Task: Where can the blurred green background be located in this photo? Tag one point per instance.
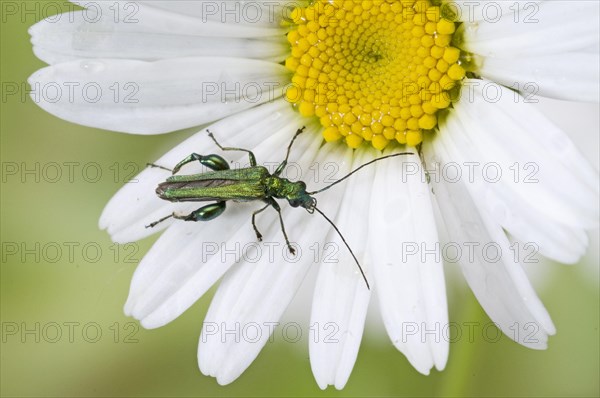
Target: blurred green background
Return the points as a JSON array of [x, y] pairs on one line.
[[61, 274]]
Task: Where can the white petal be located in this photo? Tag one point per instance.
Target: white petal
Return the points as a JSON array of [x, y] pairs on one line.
[[254, 294], [550, 27], [341, 297], [572, 76], [407, 263], [198, 17], [155, 97], [522, 219], [184, 263], [73, 36], [510, 134], [256, 13], [132, 208], [497, 280]]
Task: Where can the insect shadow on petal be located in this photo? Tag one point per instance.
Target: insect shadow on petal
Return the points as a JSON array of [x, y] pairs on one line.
[[247, 184]]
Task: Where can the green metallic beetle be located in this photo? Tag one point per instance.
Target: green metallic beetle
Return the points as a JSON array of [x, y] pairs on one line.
[[243, 185]]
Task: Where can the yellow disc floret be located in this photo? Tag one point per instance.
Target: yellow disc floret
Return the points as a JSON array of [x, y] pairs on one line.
[[372, 70]]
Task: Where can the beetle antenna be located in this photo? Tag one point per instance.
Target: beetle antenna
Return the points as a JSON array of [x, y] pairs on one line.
[[358, 168], [346, 243]]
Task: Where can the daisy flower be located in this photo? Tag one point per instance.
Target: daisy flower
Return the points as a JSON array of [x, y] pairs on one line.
[[449, 82]]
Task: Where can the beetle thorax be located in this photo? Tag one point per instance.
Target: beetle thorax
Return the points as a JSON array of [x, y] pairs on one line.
[[282, 188], [294, 192]]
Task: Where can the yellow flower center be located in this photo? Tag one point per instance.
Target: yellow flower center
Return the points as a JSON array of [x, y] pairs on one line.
[[372, 70]]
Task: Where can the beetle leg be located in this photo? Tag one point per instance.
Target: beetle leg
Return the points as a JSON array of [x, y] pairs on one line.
[[213, 162], [275, 205], [155, 223], [284, 163], [250, 154], [205, 213], [258, 234], [157, 166]]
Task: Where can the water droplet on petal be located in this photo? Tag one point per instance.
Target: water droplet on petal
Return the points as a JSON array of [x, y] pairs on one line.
[[93, 66]]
